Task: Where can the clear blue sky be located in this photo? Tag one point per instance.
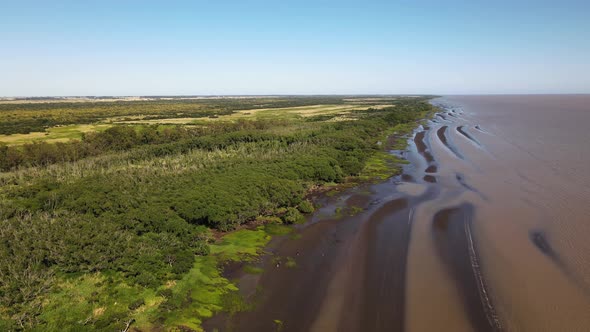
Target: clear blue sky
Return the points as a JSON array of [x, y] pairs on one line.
[[293, 47]]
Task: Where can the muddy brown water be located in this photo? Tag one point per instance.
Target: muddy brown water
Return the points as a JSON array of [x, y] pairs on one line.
[[488, 229]]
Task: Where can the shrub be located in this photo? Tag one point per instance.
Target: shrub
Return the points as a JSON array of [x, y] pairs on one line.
[[136, 304], [306, 207], [268, 220], [293, 216]]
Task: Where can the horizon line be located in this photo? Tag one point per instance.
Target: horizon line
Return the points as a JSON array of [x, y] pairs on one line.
[[286, 95]]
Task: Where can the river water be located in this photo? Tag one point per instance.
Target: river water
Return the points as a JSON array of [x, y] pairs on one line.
[[488, 229]]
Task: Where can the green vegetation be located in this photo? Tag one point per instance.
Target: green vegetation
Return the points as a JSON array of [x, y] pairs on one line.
[[355, 210], [306, 207], [274, 229], [123, 225], [381, 165], [290, 262], [250, 269], [278, 324], [24, 118], [54, 134]]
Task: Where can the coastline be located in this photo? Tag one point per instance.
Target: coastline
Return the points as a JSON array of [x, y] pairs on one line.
[[198, 287], [337, 205]]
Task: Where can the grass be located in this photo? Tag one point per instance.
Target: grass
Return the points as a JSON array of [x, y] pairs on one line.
[[203, 291], [198, 295], [241, 244], [22, 117], [117, 163], [277, 229], [251, 269], [331, 189], [63, 133], [94, 299], [297, 112], [400, 131], [278, 325], [354, 210], [339, 111], [290, 262], [342, 211], [382, 165], [159, 121], [53, 135]]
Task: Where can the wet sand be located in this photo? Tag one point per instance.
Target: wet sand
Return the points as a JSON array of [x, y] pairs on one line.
[[486, 230]]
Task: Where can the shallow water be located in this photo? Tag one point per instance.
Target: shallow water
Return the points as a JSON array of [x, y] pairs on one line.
[[487, 230]]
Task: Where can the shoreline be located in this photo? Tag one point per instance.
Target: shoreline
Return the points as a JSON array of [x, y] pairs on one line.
[[197, 190], [353, 194], [355, 271]]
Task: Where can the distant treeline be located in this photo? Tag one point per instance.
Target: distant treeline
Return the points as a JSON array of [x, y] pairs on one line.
[[24, 118], [125, 137]]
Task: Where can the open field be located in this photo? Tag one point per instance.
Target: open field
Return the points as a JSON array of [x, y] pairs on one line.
[[53, 134], [342, 111], [100, 118], [24, 117], [106, 224]]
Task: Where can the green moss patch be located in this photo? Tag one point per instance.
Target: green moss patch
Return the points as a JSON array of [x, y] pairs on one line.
[[382, 165]]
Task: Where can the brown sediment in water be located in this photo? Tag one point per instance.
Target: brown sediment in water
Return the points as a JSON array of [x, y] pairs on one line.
[[461, 179], [298, 290], [422, 147], [383, 295], [429, 178], [539, 239], [318, 254], [530, 230], [407, 178], [419, 141], [464, 132], [442, 136], [431, 169], [358, 200], [454, 244], [479, 247]]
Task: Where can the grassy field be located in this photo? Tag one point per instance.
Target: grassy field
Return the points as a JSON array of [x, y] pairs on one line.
[[301, 111], [111, 222], [53, 134], [26, 117], [74, 118], [341, 112]]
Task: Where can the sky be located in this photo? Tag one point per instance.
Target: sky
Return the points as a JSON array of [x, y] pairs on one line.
[[130, 48]]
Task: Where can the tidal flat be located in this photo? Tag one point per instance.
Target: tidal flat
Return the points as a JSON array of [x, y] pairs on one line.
[[484, 229]]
